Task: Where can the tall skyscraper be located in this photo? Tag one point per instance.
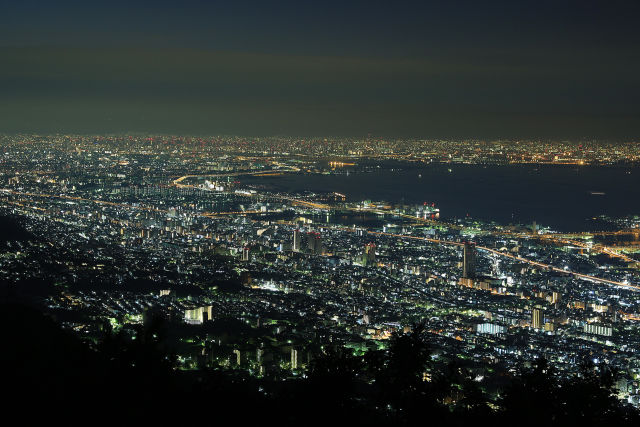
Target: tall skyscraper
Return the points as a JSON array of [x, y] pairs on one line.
[[296, 241], [469, 261], [245, 254], [314, 243], [294, 358], [369, 257], [537, 318]]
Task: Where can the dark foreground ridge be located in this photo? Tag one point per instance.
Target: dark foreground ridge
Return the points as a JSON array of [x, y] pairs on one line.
[[123, 380]]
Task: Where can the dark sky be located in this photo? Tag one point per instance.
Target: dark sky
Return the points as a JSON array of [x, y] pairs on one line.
[[502, 69]]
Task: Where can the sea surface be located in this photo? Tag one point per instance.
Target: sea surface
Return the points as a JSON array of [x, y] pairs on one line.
[[565, 198]]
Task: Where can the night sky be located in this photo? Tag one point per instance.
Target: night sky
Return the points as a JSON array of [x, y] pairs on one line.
[[458, 69]]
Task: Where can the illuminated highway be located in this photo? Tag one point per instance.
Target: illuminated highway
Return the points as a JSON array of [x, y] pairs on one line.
[[119, 205], [178, 182], [547, 237], [518, 258], [314, 205]]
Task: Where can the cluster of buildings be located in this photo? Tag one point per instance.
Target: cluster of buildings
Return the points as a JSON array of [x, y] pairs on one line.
[[260, 281]]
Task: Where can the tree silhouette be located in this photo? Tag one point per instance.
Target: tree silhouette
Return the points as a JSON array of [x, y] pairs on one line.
[[537, 396], [135, 379]]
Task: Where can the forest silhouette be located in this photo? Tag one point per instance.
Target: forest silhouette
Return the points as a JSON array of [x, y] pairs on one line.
[[125, 379]]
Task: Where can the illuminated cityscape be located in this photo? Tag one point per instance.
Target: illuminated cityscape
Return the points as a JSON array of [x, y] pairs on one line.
[[122, 227], [171, 261]]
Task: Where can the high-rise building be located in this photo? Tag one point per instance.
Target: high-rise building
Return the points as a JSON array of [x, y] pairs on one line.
[[197, 316], [537, 318], [245, 254], [469, 261], [294, 358], [490, 328], [296, 240], [598, 329], [314, 243], [369, 257]]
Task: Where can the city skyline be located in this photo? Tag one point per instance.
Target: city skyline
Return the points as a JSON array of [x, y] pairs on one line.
[[339, 212]]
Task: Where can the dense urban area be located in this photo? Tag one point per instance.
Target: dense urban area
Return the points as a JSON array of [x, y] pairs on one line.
[[104, 233]]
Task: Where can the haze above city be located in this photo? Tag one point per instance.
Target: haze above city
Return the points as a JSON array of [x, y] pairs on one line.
[[420, 69]]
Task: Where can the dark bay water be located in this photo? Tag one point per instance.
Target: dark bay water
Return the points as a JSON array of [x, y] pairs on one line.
[[563, 197]]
